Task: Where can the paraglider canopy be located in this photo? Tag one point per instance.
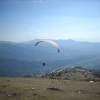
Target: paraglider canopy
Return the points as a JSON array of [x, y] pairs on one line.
[[50, 41]]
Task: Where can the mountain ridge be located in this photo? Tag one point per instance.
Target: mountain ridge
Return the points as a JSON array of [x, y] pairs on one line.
[[72, 53]]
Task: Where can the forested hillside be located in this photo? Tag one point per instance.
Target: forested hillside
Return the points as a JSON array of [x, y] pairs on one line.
[[26, 58]]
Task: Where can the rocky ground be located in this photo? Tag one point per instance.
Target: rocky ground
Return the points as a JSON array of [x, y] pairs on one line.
[[68, 85]]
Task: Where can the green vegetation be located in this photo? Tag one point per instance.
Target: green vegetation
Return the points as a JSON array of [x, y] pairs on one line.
[[18, 59]]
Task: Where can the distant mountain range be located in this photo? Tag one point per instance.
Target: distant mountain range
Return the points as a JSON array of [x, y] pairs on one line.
[[18, 59]]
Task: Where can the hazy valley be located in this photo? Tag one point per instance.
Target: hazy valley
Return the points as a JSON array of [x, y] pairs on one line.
[[19, 59]]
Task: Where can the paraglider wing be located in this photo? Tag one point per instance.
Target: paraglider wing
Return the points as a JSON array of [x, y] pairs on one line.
[[50, 41]]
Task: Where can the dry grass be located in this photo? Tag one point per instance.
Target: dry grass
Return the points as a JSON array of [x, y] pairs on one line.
[[21, 89]]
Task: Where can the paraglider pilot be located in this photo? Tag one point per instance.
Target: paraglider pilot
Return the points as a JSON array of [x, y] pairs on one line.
[[43, 64]]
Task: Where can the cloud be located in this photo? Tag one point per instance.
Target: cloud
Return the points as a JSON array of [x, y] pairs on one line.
[[41, 33], [93, 34], [30, 33], [30, 28], [45, 34], [68, 35], [1, 31], [37, 0]]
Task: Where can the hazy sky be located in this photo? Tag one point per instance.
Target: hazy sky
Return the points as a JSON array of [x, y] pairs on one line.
[[23, 20]]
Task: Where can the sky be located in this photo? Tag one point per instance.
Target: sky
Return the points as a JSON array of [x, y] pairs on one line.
[[24, 20]]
